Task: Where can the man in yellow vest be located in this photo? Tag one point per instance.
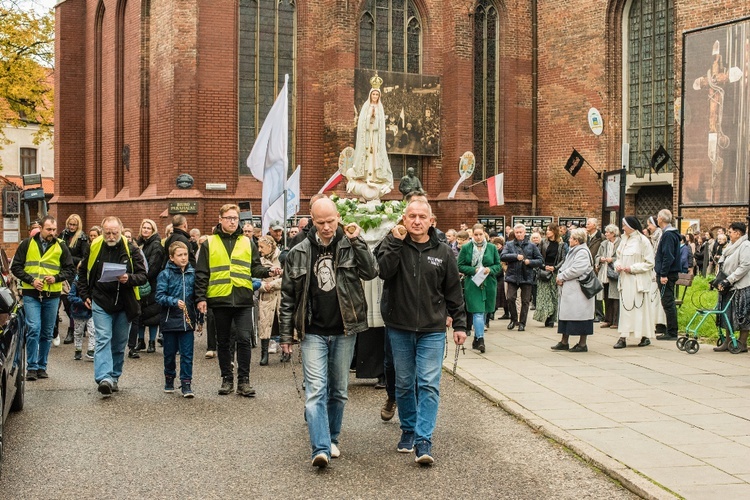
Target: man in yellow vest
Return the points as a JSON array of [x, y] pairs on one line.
[[108, 279], [42, 264], [227, 262]]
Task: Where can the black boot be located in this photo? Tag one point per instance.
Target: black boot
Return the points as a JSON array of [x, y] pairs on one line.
[[69, 336], [480, 344], [475, 343], [141, 345], [151, 346], [264, 352]]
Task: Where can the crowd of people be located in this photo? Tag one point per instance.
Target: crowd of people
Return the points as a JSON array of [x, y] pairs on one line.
[[307, 289]]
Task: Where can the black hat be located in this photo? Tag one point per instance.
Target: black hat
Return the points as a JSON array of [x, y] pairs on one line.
[[632, 223]]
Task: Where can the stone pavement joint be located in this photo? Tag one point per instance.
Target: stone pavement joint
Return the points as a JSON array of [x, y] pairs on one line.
[[662, 422]]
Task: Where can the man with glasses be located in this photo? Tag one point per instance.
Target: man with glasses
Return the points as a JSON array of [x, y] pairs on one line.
[[227, 262], [42, 264], [108, 280]]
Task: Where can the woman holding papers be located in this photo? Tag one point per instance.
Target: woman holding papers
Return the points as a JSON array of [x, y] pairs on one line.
[[479, 261]]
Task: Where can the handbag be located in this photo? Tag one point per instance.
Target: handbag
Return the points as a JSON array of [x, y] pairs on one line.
[[544, 275], [590, 285], [611, 273], [720, 276]]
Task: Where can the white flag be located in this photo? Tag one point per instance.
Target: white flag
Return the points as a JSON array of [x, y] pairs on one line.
[[292, 193], [269, 160]]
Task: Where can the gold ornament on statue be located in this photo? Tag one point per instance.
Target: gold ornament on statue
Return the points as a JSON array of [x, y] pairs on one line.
[[376, 82]]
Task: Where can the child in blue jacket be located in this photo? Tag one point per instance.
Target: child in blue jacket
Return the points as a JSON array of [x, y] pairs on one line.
[[82, 320], [179, 317]]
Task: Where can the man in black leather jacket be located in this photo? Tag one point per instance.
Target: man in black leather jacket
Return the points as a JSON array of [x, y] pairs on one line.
[[323, 299], [522, 258]]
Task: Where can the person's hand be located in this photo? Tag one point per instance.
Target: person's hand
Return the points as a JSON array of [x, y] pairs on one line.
[[618, 268], [38, 284], [663, 280], [459, 337], [399, 232], [486, 270], [352, 230], [286, 348], [448, 322], [181, 304], [50, 280], [527, 262], [602, 259], [275, 271], [724, 285], [87, 303], [123, 279], [519, 257], [549, 268], [202, 308], [559, 282]]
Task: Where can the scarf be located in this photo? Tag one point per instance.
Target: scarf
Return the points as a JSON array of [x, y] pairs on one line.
[[477, 254], [730, 248]]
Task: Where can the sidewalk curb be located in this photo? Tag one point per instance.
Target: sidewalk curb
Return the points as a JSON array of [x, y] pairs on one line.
[[629, 478]]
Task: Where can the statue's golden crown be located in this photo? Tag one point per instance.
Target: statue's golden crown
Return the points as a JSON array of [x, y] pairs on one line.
[[376, 82]]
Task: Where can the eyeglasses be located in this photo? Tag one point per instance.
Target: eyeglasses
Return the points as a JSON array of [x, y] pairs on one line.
[[231, 219]]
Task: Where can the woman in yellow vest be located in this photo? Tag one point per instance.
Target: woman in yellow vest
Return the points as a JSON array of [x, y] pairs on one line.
[[42, 263]]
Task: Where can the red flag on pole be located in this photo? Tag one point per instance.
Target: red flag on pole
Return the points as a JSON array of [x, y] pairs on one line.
[[331, 183], [495, 188]]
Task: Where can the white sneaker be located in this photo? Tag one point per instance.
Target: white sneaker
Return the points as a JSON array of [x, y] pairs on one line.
[[320, 460], [56, 341], [335, 453], [210, 354], [272, 347]]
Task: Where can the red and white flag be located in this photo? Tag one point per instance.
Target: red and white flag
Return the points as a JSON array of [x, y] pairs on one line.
[[331, 183], [495, 188]]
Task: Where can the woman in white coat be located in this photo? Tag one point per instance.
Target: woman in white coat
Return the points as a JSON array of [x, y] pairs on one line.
[[635, 263], [575, 311]]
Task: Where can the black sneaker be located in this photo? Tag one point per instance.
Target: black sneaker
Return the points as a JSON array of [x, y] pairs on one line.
[[31, 375], [187, 392], [151, 347], [141, 345], [406, 444], [620, 343], [133, 354], [227, 386], [423, 452], [78, 355], [69, 338], [105, 388], [169, 385], [41, 374], [245, 389]]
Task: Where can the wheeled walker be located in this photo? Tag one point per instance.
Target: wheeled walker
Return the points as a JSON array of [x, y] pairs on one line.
[[689, 342]]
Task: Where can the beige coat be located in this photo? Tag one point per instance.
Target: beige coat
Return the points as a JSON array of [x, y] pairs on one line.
[[270, 300]]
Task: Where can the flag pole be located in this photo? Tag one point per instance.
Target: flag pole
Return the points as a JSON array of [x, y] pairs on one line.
[[284, 225]]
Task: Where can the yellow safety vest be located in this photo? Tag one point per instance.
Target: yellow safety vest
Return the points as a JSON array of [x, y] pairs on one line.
[[96, 246], [226, 273], [39, 265]]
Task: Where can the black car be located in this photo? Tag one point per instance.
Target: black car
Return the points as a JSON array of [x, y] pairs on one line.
[[12, 348]]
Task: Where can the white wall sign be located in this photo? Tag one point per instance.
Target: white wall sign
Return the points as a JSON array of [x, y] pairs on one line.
[[10, 223], [10, 236], [595, 121]]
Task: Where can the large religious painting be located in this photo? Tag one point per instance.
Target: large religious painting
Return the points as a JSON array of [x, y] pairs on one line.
[[716, 115], [411, 103]]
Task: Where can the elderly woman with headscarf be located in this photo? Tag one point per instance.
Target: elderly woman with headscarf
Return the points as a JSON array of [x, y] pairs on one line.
[[635, 263], [604, 265], [575, 310], [735, 263]]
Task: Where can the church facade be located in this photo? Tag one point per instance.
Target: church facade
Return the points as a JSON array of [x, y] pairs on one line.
[[147, 91]]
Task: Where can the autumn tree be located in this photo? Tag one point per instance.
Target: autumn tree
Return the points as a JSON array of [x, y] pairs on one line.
[[26, 65]]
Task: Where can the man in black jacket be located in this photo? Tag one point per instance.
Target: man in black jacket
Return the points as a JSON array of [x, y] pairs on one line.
[[322, 297], [421, 290], [42, 263], [227, 262], [108, 276], [522, 258], [179, 233], [667, 269]]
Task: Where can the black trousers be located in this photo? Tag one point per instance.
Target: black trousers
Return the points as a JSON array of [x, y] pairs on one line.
[[525, 299], [668, 303], [242, 319]]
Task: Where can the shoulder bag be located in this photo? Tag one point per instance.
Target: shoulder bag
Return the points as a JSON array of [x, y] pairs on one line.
[[590, 284], [611, 273]]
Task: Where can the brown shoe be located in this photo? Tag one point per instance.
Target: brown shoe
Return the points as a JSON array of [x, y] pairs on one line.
[[613, 327], [388, 410], [605, 325]]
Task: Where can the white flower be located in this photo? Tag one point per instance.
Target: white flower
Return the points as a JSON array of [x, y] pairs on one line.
[[388, 210], [395, 204]]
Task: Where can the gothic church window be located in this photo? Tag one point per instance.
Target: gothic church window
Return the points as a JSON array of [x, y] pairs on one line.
[[486, 88], [267, 52]]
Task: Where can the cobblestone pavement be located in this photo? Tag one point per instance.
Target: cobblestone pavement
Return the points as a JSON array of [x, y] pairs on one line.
[[143, 443]]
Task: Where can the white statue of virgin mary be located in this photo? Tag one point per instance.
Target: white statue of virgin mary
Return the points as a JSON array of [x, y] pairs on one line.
[[370, 177]]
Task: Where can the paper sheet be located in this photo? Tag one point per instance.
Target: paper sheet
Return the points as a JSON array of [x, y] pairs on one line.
[[112, 271], [480, 276]]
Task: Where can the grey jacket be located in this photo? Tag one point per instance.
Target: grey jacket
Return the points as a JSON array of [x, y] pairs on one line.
[[736, 263], [353, 262]]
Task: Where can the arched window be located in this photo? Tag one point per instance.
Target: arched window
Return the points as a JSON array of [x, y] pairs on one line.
[[390, 36], [648, 90], [486, 88], [267, 51]]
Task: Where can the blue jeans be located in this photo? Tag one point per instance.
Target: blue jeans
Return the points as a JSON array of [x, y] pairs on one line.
[[151, 332], [478, 320], [111, 339], [183, 341], [418, 358], [390, 372], [41, 318], [325, 364]]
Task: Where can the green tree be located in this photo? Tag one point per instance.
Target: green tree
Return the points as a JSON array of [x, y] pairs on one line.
[[26, 66]]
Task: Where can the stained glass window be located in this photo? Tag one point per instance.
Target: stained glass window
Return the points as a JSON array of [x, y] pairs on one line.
[[267, 52], [486, 81], [650, 79], [390, 36]]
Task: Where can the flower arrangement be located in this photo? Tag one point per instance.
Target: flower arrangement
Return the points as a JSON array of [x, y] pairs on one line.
[[368, 215]]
